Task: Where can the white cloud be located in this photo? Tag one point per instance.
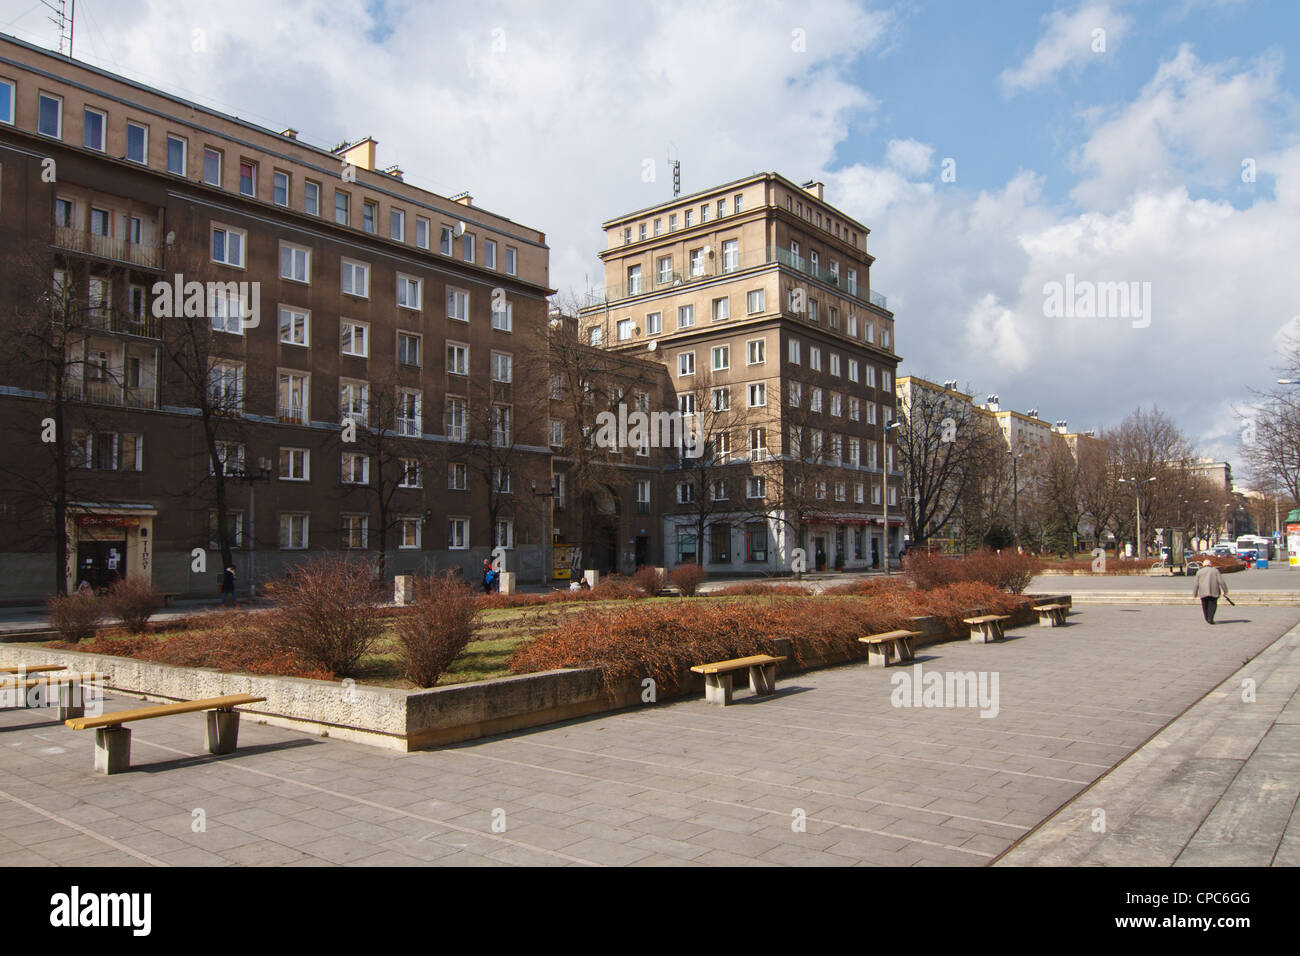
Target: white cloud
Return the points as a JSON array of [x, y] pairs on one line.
[[1068, 41], [908, 156]]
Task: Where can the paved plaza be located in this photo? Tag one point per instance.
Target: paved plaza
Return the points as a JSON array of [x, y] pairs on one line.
[[826, 772]]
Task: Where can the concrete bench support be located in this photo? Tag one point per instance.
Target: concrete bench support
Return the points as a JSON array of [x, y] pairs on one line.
[[112, 749], [72, 700], [1051, 615], [717, 689]]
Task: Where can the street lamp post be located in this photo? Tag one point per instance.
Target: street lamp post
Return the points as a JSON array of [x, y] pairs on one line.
[[542, 497], [1137, 499], [884, 494], [1015, 499], [263, 473]]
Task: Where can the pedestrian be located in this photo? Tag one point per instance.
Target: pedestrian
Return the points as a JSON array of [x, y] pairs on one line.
[[488, 576], [1208, 587], [228, 586]]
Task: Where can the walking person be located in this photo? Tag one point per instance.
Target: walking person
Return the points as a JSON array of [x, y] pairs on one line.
[[228, 586], [489, 576], [1209, 586]]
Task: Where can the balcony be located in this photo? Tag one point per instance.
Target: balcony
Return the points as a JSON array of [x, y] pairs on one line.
[[408, 427], [291, 414], [100, 392], [145, 326], [108, 247]]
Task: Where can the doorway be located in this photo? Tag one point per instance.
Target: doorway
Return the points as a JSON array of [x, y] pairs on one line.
[[642, 550], [100, 563]]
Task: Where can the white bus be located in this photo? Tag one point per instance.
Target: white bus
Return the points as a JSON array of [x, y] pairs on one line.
[[1262, 546]]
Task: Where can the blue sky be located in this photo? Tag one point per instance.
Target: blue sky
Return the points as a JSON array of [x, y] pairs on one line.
[[1122, 165]]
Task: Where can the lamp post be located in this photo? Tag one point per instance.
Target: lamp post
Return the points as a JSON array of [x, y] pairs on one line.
[[542, 497], [885, 486], [1137, 499], [1015, 499], [263, 473]]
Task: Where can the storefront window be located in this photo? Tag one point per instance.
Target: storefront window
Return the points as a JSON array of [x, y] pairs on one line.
[[686, 546], [756, 541]]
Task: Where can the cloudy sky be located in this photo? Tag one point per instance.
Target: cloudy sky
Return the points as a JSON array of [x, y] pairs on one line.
[[992, 149]]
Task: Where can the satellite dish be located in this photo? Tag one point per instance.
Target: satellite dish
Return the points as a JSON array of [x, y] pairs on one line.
[[171, 239], [708, 251], [652, 346], [459, 230]]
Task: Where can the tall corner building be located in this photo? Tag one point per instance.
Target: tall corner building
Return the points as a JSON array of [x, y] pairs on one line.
[[756, 295], [377, 300]]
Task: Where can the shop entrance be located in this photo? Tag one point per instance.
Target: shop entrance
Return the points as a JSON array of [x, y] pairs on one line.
[[100, 563]]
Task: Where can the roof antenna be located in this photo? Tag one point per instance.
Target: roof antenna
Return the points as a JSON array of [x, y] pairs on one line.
[[676, 164], [65, 21]]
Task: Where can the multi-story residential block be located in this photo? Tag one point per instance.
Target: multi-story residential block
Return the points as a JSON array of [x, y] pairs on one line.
[[353, 369], [756, 296]]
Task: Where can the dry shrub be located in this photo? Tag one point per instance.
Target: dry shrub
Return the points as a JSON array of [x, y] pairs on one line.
[[687, 578], [132, 601], [327, 613], [437, 629], [1008, 571], [75, 616], [663, 640], [650, 580], [871, 586], [762, 589]]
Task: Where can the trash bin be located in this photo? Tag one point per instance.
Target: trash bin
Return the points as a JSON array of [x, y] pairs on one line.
[[1261, 562]]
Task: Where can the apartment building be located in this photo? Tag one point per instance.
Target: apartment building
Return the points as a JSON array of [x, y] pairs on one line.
[[333, 293], [756, 297]]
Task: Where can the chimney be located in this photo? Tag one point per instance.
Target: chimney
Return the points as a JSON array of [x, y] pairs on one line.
[[465, 199], [816, 188], [360, 154], [289, 133], [395, 172]]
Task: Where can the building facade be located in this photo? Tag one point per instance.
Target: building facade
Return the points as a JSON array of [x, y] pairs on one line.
[[246, 324]]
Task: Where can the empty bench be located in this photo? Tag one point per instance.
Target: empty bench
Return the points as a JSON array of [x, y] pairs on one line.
[[113, 741], [1052, 615], [717, 676], [71, 688], [895, 644], [986, 628], [7, 673]]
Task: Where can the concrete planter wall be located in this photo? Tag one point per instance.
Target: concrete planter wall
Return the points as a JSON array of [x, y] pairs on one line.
[[405, 719]]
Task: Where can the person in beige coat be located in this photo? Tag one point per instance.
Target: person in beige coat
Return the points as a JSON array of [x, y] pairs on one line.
[[1208, 587]]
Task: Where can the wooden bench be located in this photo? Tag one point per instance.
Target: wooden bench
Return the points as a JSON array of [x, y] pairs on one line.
[[896, 644], [1052, 615], [717, 676], [6, 673], [113, 741], [986, 628], [71, 688]]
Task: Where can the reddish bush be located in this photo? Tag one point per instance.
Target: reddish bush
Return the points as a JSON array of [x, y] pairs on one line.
[[132, 601], [437, 629], [1008, 571], [650, 580], [869, 586], [687, 578], [773, 589], [327, 613], [75, 616]]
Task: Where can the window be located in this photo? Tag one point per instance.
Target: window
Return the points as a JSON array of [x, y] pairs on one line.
[[812, 310], [642, 235], [757, 444], [458, 304], [501, 416], [721, 447], [295, 263], [718, 492], [457, 476], [853, 370], [503, 315], [228, 246], [295, 326], [505, 534], [654, 323], [659, 226], [248, 178], [409, 418], [739, 203], [754, 487], [397, 225], [412, 477], [815, 358], [280, 188], [311, 198], [234, 530], [356, 469], [457, 359], [595, 335], [502, 367], [467, 247], [664, 270], [291, 398], [643, 496], [627, 236], [672, 222], [444, 240], [853, 325], [685, 492], [722, 208], [354, 338], [342, 206], [501, 480], [408, 349], [853, 278], [623, 329], [704, 213], [884, 339], [875, 493], [294, 464], [226, 387], [855, 452], [721, 309], [686, 363], [227, 311], [730, 254], [490, 253], [137, 142], [409, 531], [230, 456], [721, 358], [756, 541], [869, 333], [690, 218], [796, 394], [422, 232], [697, 262], [410, 292], [793, 352], [886, 380], [99, 222], [293, 532], [557, 434], [356, 279], [815, 400], [686, 404], [855, 409], [511, 256], [756, 301], [685, 316], [354, 402], [176, 149], [835, 364], [871, 376], [211, 167], [369, 215], [49, 119], [757, 395], [458, 534], [633, 280], [756, 351], [722, 399], [8, 91]]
